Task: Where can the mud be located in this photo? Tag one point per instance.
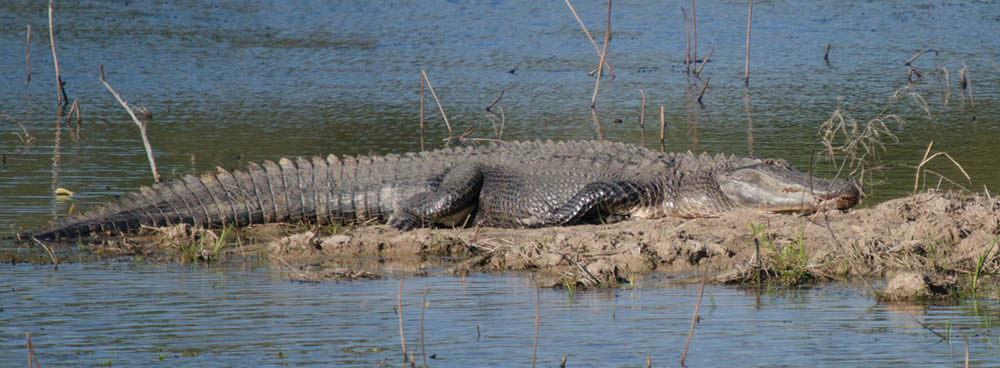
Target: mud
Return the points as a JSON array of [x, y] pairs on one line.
[[940, 239]]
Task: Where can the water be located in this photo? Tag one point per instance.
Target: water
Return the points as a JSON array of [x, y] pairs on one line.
[[229, 83], [129, 314], [232, 82]]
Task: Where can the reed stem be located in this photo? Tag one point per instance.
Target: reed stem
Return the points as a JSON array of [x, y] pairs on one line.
[[642, 118], [60, 91], [423, 306], [662, 126], [694, 35], [694, 318], [142, 126], [597, 49], [538, 316], [436, 100], [27, 57], [399, 308], [687, 41], [604, 55], [746, 68], [421, 113]]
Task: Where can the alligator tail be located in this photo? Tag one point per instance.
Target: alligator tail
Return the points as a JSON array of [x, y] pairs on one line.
[[286, 191]]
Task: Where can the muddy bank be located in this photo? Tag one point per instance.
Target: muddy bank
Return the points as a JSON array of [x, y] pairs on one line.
[[942, 237]]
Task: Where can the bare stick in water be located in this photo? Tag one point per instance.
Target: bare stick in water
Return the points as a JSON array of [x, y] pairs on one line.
[[694, 36], [694, 318], [399, 308], [589, 37], [52, 255], [642, 118], [27, 57], [697, 73], [55, 60], [663, 125], [423, 305], [436, 100], [538, 317], [142, 127], [826, 56], [746, 68], [421, 117], [687, 41], [604, 55], [702, 93], [914, 57], [32, 357]]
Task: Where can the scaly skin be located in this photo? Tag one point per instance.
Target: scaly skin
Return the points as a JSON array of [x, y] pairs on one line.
[[516, 184]]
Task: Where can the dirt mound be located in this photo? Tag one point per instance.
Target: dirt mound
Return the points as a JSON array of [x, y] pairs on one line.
[[941, 236], [929, 233]]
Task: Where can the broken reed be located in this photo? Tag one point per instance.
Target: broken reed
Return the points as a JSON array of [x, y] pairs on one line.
[[746, 68], [604, 55], [60, 91], [27, 57], [597, 49], [423, 74], [538, 317], [141, 125], [399, 311], [642, 118], [694, 35], [694, 317]]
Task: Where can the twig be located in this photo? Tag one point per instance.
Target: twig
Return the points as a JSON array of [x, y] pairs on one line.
[[826, 55], [697, 73], [746, 68], [421, 113], [597, 124], [27, 57], [663, 124], [702, 93], [687, 41], [694, 37], [434, 94], [914, 57], [423, 305], [642, 117], [32, 357], [597, 49], [490, 106], [52, 255], [967, 83], [142, 127], [60, 91], [926, 159], [966, 351], [538, 316], [399, 302], [604, 55], [69, 116], [694, 317]]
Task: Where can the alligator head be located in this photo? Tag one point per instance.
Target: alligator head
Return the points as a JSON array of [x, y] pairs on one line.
[[774, 186]]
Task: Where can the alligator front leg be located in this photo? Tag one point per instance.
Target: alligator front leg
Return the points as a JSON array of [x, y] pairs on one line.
[[450, 204], [604, 198]]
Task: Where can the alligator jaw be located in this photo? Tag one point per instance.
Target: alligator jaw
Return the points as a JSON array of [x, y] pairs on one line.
[[775, 187]]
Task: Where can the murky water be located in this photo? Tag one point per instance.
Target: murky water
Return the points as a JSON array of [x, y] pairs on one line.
[[231, 82], [234, 82], [152, 315]]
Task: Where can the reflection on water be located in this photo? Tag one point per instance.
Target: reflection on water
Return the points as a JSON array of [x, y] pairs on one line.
[[150, 315]]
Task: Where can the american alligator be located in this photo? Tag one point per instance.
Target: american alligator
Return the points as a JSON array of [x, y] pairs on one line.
[[516, 184]]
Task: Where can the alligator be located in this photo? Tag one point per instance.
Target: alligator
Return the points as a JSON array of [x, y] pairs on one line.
[[513, 184]]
